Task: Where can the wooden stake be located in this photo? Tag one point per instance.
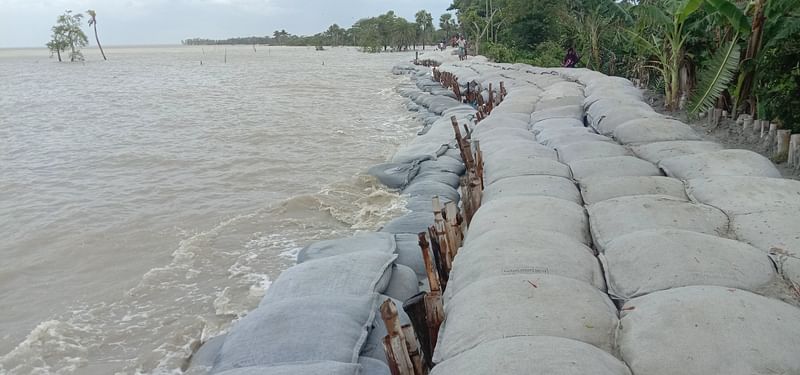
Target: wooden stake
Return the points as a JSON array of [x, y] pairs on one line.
[[430, 268], [454, 235], [794, 150], [395, 342], [463, 146], [769, 140], [413, 348], [747, 124], [782, 140], [416, 311], [441, 235]]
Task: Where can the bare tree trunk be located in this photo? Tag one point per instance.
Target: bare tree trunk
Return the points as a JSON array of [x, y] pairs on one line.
[[753, 46], [58, 53], [98, 41]]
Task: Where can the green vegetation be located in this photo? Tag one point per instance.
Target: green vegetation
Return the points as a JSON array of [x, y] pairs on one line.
[[67, 34]]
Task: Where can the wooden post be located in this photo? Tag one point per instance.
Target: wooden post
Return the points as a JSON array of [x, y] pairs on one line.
[[433, 275], [782, 140], [794, 150], [453, 228], [441, 235], [463, 146], [413, 347], [415, 309], [769, 140], [763, 129], [747, 124], [757, 126], [395, 342], [491, 99], [479, 162], [438, 255], [434, 309]]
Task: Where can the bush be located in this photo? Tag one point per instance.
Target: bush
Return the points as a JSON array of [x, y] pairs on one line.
[[778, 89], [546, 54]]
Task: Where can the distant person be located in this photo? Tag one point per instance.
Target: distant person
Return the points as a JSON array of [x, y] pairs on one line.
[[441, 46], [462, 48], [571, 59]]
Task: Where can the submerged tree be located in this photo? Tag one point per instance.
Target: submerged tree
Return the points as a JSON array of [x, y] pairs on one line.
[[93, 22], [424, 25], [67, 33]]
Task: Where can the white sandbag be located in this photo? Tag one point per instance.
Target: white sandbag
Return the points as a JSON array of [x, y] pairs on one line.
[[302, 368], [413, 222], [651, 260], [561, 89], [613, 166], [546, 135], [528, 149], [319, 328], [529, 213], [567, 111], [650, 130], [597, 189], [608, 122], [655, 152], [556, 123], [532, 355], [357, 273], [543, 105], [590, 150], [403, 284], [719, 163], [537, 252], [378, 242], [526, 305], [710, 330], [616, 217], [605, 106], [743, 194], [620, 97], [566, 140], [777, 230], [496, 169], [549, 186]]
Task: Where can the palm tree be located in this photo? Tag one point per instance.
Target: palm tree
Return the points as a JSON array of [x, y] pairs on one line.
[[424, 24], [445, 23], [93, 22]]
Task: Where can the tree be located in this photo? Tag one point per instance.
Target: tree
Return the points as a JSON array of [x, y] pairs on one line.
[[446, 23], [93, 22], [280, 36], [424, 24], [67, 32]]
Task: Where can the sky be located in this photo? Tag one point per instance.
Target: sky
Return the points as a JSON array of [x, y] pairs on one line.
[[27, 23]]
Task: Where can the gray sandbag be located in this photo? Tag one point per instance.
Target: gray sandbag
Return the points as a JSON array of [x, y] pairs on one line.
[[789, 267], [719, 163], [561, 89], [567, 111], [556, 123], [597, 189], [559, 102], [519, 149], [502, 252], [590, 150], [774, 231], [605, 106], [416, 152], [613, 166], [546, 135], [526, 305], [371, 241], [651, 260], [616, 217], [549, 186], [657, 151], [371, 366], [608, 122], [318, 328], [516, 106], [709, 330], [428, 188], [743, 194], [422, 204], [442, 164], [654, 130], [373, 347], [496, 121], [413, 222], [533, 355], [496, 169], [497, 145], [503, 134], [565, 140], [204, 357], [409, 254], [300, 368], [403, 284], [447, 178], [528, 213], [358, 273], [394, 175]]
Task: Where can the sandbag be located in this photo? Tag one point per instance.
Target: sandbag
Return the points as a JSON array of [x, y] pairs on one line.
[[422, 204], [532, 355], [318, 328], [546, 135], [409, 254], [416, 152], [203, 359], [497, 169], [499, 122], [373, 347], [303, 368], [608, 122], [565, 140], [651, 260], [616, 217], [528, 213], [500, 252], [394, 175], [547, 104], [413, 222], [526, 149], [650, 130], [549, 186], [403, 284], [371, 366], [774, 231], [442, 164], [378, 242], [556, 123], [450, 179], [719, 163], [503, 134], [428, 188], [603, 107], [526, 305], [356, 273], [590, 150], [516, 106], [490, 147], [657, 151], [742, 194], [597, 189], [567, 111], [709, 330], [613, 166]]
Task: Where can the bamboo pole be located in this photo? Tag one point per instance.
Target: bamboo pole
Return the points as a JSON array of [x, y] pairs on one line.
[[395, 342], [794, 150]]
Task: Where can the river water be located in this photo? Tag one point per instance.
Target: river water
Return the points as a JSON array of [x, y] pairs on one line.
[[147, 201]]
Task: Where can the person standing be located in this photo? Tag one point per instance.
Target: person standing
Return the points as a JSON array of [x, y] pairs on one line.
[[462, 48], [571, 59]]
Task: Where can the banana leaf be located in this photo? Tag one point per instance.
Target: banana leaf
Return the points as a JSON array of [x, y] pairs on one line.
[[715, 77]]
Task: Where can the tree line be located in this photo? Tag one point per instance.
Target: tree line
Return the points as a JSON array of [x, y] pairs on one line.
[[740, 55]]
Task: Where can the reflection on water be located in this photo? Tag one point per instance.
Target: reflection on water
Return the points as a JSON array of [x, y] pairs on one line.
[[147, 201]]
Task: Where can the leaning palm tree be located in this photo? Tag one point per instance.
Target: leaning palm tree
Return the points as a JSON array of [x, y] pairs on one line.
[[93, 22]]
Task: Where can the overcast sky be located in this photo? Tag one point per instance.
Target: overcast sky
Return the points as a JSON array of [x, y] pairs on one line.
[[27, 23]]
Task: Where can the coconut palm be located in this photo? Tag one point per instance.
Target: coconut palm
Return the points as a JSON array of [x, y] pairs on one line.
[[93, 22]]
